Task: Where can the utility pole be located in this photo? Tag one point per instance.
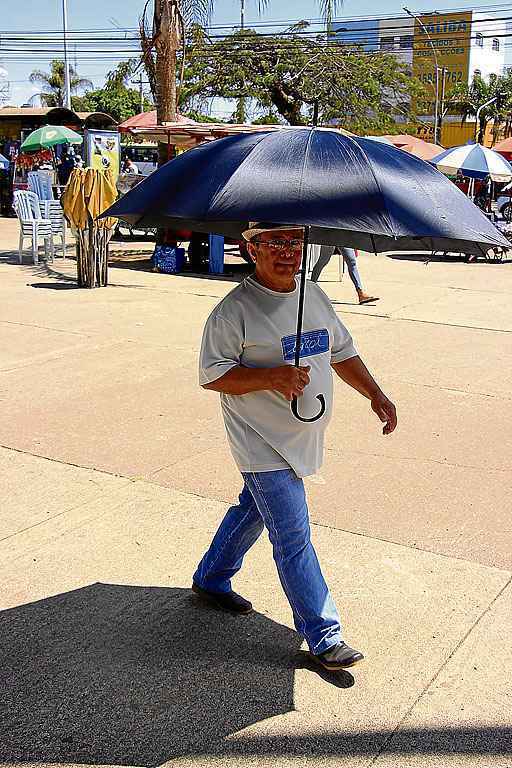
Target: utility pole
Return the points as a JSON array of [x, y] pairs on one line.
[[477, 116], [67, 79], [444, 72], [436, 111], [240, 107], [141, 94], [140, 82]]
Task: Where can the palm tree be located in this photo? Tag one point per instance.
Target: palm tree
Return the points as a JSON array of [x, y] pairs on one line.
[[161, 41], [52, 84]]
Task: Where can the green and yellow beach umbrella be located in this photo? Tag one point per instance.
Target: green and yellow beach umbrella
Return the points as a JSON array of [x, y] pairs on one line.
[[49, 136]]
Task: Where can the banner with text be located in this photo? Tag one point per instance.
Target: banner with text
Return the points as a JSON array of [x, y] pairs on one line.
[[450, 35]]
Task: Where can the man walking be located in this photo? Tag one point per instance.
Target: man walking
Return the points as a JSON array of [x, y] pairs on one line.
[[247, 355]]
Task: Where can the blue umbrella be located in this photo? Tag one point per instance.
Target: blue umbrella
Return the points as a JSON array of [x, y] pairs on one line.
[[349, 191], [4, 163], [475, 162], [344, 190]]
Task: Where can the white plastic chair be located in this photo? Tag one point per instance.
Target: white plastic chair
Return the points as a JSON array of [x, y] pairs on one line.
[[26, 205], [40, 182], [52, 210]]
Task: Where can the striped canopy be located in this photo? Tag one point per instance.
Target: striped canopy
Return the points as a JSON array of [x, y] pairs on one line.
[[474, 161]]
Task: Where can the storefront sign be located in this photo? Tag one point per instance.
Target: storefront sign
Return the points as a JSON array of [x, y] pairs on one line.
[[450, 35]]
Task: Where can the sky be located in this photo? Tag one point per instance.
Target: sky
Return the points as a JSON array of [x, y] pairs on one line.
[[114, 14]]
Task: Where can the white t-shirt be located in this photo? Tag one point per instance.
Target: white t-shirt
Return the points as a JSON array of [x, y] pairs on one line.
[[255, 327]]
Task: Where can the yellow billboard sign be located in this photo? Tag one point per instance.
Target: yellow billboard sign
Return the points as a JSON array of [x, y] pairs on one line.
[[450, 35]]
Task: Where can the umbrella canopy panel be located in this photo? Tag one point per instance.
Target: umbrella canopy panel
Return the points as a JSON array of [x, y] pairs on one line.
[[49, 136], [350, 191], [474, 161]]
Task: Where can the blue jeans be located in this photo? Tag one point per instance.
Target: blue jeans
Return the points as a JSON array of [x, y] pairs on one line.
[[350, 259], [276, 500]]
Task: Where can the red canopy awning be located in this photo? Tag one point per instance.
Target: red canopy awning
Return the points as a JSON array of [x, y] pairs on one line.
[[148, 120]]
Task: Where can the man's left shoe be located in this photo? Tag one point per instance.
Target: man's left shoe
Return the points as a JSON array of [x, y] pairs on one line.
[[339, 656], [225, 601]]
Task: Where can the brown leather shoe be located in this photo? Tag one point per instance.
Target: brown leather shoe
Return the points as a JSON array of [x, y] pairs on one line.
[[225, 601], [339, 656]]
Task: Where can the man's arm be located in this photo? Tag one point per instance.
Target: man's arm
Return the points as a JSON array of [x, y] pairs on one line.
[[354, 372], [286, 379]]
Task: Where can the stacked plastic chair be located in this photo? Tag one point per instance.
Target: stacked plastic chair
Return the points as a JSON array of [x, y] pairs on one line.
[[40, 182], [33, 225]]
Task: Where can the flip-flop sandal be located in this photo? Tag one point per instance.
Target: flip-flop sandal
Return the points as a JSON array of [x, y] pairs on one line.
[[371, 298]]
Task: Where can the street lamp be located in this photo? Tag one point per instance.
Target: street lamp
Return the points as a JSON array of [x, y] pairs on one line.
[[67, 79], [436, 114]]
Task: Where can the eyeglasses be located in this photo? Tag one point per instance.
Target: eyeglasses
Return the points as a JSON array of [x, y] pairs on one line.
[[281, 245]]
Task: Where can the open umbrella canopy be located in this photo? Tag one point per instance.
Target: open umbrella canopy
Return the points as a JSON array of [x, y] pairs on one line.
[[4, 163], [475, 162], [49, 136], [348, 190]]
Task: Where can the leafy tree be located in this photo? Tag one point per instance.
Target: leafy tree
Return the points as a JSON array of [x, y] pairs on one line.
[[52, 83], [294, 76], [467, 100], [116, 98], [166, 35]]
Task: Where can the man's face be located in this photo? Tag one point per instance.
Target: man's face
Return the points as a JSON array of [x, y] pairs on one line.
[[277, 256]]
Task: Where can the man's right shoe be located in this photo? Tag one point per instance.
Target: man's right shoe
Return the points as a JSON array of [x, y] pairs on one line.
[[340, 656], [225, 601]]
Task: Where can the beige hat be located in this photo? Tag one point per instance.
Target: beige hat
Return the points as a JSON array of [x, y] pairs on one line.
[[257, 227]]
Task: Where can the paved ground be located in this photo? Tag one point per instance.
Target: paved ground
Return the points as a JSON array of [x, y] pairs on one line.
[[114, 473]]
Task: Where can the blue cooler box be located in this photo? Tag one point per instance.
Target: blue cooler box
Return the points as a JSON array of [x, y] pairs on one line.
[[168, 259]]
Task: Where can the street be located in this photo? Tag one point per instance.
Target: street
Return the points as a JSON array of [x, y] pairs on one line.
[[114, 474]]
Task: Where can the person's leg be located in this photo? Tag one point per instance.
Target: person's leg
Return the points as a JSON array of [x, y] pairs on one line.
[[281, 501], [326, 251], [350, 259], [240, 528]]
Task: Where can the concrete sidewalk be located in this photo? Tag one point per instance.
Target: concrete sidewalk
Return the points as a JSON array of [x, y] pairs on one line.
[[114, 474]]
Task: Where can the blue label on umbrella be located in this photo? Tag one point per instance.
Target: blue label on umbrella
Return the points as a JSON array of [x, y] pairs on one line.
[[312, 343]]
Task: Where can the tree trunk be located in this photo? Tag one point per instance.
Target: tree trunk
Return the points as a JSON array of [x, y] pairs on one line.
[[166, 32], [481, 130], [288, 105]]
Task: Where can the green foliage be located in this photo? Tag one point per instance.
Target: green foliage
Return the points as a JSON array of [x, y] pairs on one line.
[[52, 83], [200, 117], [266, 120], [288, 74], [116, 98]]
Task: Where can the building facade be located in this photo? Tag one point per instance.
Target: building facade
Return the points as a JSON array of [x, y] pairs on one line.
[[459, 45]]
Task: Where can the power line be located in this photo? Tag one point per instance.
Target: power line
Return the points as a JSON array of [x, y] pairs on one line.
[[226, 43], [281, 22], [347, 36]]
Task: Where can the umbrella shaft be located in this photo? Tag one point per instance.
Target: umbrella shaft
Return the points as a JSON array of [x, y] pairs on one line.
[[302, 293]]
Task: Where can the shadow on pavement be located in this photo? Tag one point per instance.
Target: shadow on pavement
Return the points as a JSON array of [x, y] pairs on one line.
[[124, 675], [405, 742], [451, 258], [135, 675], [55, 286]]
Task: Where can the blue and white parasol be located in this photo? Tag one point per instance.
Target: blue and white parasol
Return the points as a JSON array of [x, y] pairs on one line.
[[475, 162], [4, 163]]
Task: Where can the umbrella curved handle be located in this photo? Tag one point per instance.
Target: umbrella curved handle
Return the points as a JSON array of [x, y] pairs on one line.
[[295, 409]]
